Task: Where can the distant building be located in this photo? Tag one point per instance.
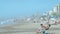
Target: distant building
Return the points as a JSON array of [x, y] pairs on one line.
[[55, 12], [57, 8]]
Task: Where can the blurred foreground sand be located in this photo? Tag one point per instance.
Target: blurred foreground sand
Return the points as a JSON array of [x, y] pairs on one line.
[[27, 28]]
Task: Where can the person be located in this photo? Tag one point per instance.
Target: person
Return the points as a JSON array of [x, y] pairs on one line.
[[40, 30], [44, 29], [47, 29]]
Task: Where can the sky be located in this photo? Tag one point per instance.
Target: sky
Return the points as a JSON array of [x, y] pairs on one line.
[[17, 8]]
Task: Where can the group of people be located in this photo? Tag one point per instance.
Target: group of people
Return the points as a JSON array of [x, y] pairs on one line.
[[43, 29]]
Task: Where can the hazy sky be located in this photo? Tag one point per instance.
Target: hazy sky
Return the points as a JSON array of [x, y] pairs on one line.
[[16, 8]]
